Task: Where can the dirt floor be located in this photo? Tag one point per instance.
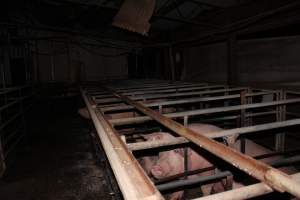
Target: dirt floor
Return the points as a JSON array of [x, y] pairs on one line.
[[57, 161]]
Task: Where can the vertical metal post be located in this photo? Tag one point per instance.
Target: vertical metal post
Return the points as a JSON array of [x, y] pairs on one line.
[[172, 65], [280, 116], [52, 61], [6, 60], [22, 111], [231, 60], [249, 100], [3, 75], [160, 110], [2, 158], [26, 59], [37, 62], [243, 118], [69, 61], [136, 63], [186, 149]]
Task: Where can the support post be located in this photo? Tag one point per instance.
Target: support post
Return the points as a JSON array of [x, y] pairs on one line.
[[281, 116], [2, 159], [172, 64], [231, 60], [37, 62], [52, 78]]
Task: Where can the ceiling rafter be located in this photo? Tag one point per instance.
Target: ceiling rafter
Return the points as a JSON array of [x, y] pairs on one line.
[[154, 17]]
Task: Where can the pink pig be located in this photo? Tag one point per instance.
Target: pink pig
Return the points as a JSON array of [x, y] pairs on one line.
[[83, 112], [172, 162], [148, 162]]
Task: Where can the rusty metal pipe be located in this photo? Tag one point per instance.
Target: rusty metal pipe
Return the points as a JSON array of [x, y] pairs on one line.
[[159, 87], [157, 96], [131, 178], [246, 192], [173, 90], [186, 101], [124, 121], [187, 182], [224, 133], [259, 170]]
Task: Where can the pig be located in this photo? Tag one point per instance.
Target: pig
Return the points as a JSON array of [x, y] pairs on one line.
[[172, 162], [84, 113], [147, 162]]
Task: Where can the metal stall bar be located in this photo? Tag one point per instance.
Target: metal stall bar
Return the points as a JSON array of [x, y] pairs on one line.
[[259, 170], [157, 96], [133, 182], [162, 86], [174, 182], [187, 182], [224, 133], [173, 90], [185, 101], [246, 192], [151, 87], [131, 120], [158, 91], [13, 98]]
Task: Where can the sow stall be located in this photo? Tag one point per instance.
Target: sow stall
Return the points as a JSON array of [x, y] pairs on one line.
[[124, 110]]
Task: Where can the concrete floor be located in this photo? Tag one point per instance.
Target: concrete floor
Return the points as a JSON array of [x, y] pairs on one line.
[[57, 162]]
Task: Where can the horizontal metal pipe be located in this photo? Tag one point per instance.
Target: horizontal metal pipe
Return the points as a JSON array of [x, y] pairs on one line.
[[136, 94], [161, 86], [285, 161], [142, 119], [157, 96], [234, 117], [160, 90], [184, 174], [186, 101], [276, 163], [188, 182], [246, 192], [271, 176], [223, 133]]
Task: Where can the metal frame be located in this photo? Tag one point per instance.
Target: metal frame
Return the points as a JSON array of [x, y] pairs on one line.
[[14, 103], [111, 98]]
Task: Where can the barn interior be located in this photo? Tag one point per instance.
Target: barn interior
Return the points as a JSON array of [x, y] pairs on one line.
[[149, 99]]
